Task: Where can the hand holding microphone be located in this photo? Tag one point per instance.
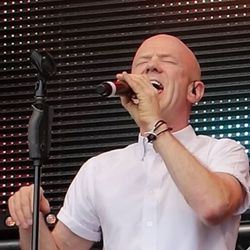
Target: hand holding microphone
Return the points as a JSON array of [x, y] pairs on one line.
[[143, 107]]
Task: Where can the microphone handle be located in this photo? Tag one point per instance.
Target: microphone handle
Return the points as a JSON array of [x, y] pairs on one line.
[[122, 88], [111, 89]]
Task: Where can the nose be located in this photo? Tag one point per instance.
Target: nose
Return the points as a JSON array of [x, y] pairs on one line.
[[153, 65]]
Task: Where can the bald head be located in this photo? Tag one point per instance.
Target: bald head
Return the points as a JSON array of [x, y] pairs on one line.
[[174, 47]]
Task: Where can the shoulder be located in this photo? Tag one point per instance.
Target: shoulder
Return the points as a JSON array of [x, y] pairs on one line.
[[216, 153], [225, 144], [225, 155]]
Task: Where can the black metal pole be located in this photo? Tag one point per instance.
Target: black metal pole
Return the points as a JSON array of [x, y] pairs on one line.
[[36, 205], [36, 150], [39, 144]]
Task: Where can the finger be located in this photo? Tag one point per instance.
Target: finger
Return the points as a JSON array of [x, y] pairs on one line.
[[44, 205], [12, 212], [15, 206], [139, 83], [120, 76], [26, 196], [22, 207], [41, 191], [125, 100], [130, 104], [31, 197]]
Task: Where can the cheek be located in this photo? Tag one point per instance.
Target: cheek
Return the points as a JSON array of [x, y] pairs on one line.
[[137, 70], [173, 95], [175, 72], [166, 98], [140, 68]]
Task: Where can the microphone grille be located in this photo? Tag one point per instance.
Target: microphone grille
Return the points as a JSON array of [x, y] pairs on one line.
[[103, 89]]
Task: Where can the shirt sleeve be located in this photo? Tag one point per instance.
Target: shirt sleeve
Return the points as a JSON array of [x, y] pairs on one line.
[[78, 212], [230, 157]]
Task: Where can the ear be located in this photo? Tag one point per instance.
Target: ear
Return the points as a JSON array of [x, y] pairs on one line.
[[195, 91]]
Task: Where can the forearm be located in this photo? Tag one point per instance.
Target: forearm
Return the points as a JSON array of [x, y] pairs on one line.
[[206, 192], [46, 240]]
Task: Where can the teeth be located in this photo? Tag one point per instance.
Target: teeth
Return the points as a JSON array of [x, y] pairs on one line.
[[157, 84]]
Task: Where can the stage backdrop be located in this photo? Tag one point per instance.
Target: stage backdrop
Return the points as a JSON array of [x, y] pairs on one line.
[[91, 41]]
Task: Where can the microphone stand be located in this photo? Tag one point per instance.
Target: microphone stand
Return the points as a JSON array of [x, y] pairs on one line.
[[39, 132]]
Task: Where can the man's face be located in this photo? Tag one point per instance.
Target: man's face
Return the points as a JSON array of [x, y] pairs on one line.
[[166, 60]]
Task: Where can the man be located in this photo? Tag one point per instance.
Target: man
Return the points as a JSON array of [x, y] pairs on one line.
[[171, 190]]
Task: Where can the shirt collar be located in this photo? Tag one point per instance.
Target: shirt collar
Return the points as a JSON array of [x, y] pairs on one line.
[[184, 136]]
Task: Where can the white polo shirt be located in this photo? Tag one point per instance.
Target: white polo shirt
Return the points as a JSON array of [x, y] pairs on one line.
[[129, 195]]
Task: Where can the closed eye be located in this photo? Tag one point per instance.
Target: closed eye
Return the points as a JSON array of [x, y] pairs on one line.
[[169, 61], [141, 63]]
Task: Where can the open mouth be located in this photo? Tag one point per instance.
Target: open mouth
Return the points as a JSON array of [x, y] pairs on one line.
[[157, 85]]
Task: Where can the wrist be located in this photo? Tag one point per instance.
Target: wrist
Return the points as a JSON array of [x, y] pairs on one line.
[[148, 126], [159, 128]]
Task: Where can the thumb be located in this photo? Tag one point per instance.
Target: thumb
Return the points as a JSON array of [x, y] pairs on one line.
[[125, 100], [44, 204]]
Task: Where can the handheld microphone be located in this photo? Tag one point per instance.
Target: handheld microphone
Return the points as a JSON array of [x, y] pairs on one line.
[[120, 88], [116, 88]]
